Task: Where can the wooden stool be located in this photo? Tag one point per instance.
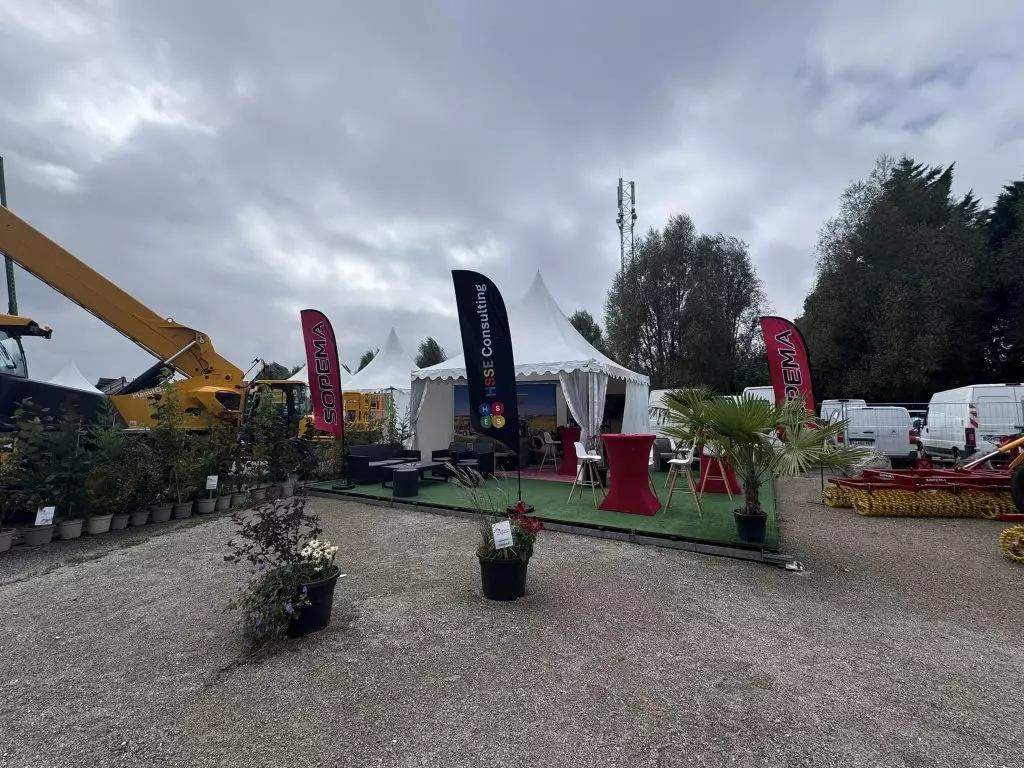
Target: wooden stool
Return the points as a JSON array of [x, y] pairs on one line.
[[675, 467]]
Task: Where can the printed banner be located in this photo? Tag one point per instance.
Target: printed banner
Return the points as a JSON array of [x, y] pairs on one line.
[[487, 347], [788, 362], [324, 372]]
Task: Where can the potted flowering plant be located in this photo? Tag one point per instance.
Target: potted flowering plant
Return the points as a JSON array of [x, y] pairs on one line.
[[502, 568], [293, 573], [503, 571]]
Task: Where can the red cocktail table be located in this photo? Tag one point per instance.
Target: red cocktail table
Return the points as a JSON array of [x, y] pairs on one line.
[[568, 436], [711, 476], [629, 481]]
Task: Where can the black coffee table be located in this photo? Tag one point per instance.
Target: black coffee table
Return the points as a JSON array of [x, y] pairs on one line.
[[422, 467]]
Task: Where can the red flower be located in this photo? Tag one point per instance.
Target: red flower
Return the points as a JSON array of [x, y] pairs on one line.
[[531, 524]]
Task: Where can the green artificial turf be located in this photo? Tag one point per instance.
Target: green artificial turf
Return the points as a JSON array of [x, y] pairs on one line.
[[550, 500]]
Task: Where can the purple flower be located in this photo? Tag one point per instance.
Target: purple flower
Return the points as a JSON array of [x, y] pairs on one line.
[[288, 607], [303, 589], [258, 621]]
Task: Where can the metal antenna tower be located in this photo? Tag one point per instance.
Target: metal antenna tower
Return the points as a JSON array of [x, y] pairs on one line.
[[626, 220]]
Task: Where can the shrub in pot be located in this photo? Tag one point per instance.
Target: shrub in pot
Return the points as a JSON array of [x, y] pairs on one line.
[[760, 441], [110, 484], [502, 570], [8, 482], [53, 463], [293, 573], [170, 446], [272, 453]]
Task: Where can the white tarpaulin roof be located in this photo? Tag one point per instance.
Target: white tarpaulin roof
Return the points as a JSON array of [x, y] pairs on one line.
[[69, 376], [543, 342], [389, 369], [300, 375]]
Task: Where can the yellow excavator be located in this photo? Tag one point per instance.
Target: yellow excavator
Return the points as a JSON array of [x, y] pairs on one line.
[[212, 385]]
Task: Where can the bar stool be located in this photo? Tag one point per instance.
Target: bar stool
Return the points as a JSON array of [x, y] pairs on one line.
[[586, 474], [550, 452], [682, 465]]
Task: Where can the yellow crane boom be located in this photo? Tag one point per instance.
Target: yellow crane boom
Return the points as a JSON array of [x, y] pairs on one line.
[[213, 383]]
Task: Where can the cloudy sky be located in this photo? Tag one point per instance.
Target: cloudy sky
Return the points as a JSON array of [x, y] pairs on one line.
[[229, 162]]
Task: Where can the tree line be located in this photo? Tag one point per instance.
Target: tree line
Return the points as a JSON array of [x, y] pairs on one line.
[[916, 290]]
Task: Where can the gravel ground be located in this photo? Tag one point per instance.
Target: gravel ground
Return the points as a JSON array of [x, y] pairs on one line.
[[900, 645]]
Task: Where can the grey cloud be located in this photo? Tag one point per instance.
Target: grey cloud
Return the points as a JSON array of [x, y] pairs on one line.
[[382, 144]]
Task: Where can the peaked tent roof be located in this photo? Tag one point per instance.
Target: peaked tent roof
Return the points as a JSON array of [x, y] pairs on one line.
[[543, 342], [300, 375], [70, 377], [389, 369]]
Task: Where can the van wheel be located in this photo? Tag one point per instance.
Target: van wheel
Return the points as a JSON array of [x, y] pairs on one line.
[[956, 456], [1017, 488]]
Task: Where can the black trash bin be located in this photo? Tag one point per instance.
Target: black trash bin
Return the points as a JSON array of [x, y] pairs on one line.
[[406, 483]]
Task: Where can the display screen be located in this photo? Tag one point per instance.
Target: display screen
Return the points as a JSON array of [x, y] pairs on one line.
[[537, 409]]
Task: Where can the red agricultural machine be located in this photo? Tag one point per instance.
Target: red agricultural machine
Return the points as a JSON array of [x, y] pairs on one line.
[[979, 488]]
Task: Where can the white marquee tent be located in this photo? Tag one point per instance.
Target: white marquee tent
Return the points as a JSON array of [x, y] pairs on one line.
[[546, 347], [388, 373], [70, 377]]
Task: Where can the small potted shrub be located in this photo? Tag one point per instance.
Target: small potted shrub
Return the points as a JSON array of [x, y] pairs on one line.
[[170, 444], [201, 463], [502, 570], [146, 476], [271, 445], [53, 463], [113, 482], [239, 496], [8, 487], [293, 573]]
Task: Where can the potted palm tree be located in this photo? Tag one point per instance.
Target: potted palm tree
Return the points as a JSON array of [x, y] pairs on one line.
[[759, 440]]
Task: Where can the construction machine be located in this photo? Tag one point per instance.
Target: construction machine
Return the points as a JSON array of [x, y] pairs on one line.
[[213, 387]]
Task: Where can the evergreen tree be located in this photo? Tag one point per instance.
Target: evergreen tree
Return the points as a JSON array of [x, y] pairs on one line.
[[430, 353]]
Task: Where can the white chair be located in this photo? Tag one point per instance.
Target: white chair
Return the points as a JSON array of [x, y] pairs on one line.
[[681, 464], [550, 451], [650, 468], [586, 472]]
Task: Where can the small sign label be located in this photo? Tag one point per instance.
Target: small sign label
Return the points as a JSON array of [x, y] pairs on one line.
[[502, 534], [44, 515], [211, 482]]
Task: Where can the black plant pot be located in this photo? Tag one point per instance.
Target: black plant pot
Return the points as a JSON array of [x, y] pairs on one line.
[[502, 579], [750, 527], [317, 614]]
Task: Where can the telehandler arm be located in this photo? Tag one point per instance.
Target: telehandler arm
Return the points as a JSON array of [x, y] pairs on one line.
[[185, 349]]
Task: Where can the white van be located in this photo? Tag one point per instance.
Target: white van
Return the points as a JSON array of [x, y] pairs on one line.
[[975, 418], [835, 410], [653, 404], [764, 393], [885, 429]]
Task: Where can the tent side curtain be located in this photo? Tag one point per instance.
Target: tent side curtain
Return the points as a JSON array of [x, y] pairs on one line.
[[419, 392], [584, 394], [636, 417]]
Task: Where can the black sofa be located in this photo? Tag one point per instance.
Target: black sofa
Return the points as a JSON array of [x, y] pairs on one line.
[[369, 464], [455, 454]]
